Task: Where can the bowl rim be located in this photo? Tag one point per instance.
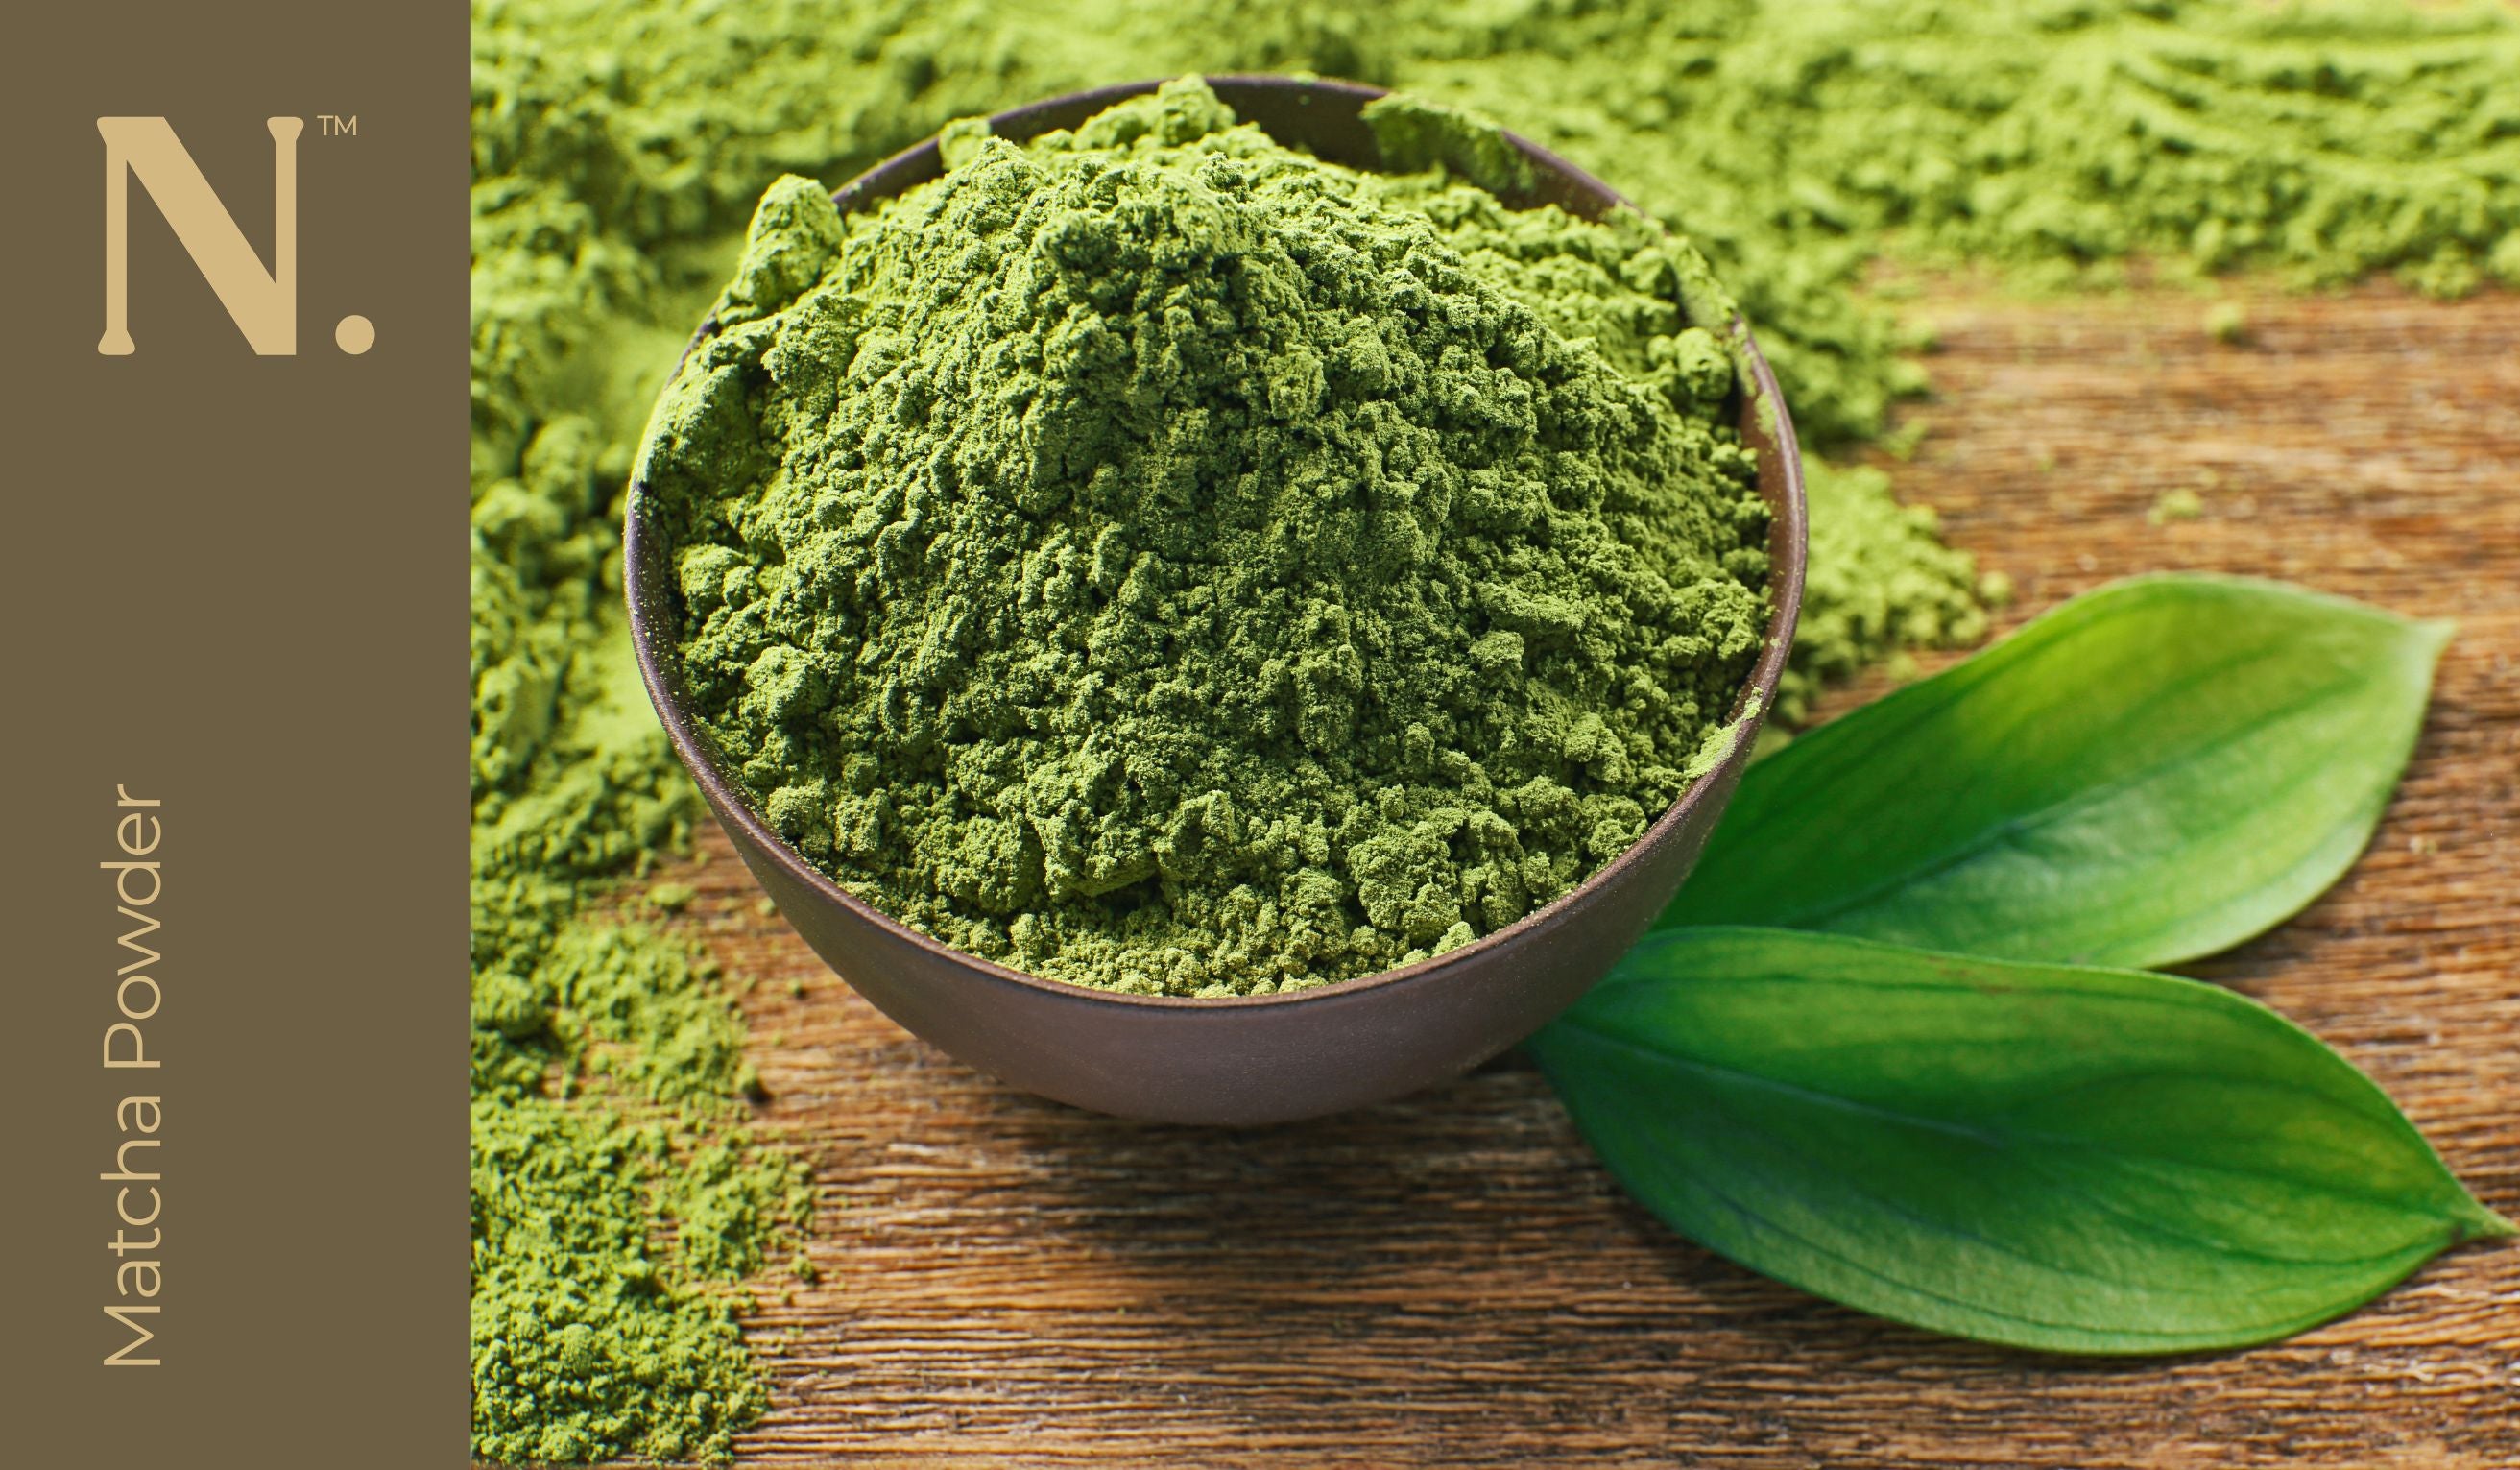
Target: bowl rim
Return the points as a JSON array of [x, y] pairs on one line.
[[1787, 535]]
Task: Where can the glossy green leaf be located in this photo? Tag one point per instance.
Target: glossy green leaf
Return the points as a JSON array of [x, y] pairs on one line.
[[2083, 1161], [2154, 771]]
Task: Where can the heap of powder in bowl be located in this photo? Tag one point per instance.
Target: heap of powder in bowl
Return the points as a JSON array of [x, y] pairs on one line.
[[1154, 557]]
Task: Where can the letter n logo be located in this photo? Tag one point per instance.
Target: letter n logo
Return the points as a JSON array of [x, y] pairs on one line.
[[263, 304]]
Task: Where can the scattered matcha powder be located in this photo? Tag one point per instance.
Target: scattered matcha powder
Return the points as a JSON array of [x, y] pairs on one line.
[[2181, 504], [1162, 561], [607, 1076], [608, 1079], [617, 143], [1879, 580]]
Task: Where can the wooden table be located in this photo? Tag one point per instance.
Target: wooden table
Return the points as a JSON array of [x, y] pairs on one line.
[[1452, 1279]]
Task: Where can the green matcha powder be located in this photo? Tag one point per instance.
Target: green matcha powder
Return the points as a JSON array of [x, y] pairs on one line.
[[1161, 561]]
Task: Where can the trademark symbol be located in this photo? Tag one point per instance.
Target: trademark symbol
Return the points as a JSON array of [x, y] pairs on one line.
[[331, 126]]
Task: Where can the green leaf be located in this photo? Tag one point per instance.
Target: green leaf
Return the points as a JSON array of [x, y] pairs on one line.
[[2083, 1161], [2154, 771]]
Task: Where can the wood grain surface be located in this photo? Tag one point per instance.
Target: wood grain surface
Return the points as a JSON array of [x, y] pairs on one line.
[[1452, 1280]]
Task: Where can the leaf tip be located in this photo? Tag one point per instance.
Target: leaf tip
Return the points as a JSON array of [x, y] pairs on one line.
[[2478, 1221]]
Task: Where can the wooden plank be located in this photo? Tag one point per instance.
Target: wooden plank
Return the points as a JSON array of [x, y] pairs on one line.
[[1451, 1279]]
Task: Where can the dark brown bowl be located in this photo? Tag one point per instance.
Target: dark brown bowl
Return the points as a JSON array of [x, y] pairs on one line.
[[1261, 1058]]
